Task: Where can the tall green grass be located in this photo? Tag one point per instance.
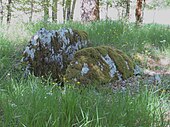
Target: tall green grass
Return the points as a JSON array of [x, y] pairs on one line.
[[125, 36], [31, 103], [6, 51]]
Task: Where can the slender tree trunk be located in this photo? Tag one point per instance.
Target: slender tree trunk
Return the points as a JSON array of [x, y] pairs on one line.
[[68, 9], [9, 11], [1, 11], [139, 11], [107, 9], [127, 15], [54, 10], [64, 10], [90, 10], [97, 11], [46, 10], [143, 8], [72, 9], [32, 10]]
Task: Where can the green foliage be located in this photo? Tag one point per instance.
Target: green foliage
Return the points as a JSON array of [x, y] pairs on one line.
[[158, 4], [31, 104], [25, 5], [5, 56], [116, 3], [168, 2]]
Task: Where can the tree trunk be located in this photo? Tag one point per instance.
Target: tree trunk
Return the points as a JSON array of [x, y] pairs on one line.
[[72, 9], [64, 11], [68, 9], [46, 10], [140, 11], [127, 15], [107, 9], [32, 10], [143, 8], [54, 10], [90, 10], [1, 11], [9, 11]]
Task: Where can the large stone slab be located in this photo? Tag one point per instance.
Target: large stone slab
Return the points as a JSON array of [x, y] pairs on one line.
[[98, 65], [50, 51]]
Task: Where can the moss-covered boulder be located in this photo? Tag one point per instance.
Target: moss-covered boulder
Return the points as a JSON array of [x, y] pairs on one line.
[[100, 64], [50, 51]]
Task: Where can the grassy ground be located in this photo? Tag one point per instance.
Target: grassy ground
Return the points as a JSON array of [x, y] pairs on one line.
[[31, 103]]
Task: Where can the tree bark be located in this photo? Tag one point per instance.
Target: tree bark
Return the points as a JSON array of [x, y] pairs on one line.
[[1, 11], [9, 11], [72, 9], [143, 8], [107, 10], [68, 9], [32, 10], [64, 11], [46, 10], [140, 11], [54, 10], [127, 15], [90, 10]]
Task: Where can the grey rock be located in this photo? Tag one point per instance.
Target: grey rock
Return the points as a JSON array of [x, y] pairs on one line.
[[50, 51]]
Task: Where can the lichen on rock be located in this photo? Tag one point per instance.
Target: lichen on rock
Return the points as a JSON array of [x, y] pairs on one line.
[[50, 51], [99, 65]]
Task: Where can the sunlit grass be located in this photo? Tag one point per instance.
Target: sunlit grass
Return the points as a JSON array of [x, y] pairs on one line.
[[121, 35], [29, 102]]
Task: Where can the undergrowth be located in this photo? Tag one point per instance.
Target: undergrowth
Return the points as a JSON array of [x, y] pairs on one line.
[[31, 103]]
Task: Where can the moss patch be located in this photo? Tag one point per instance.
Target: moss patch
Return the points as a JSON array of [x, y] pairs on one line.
[[99, 65]]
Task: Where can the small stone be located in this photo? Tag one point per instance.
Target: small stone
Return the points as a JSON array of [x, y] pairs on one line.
[[137, 70], [157, 78]]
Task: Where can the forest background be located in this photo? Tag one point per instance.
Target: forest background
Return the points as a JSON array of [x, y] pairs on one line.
[[153, 11]]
